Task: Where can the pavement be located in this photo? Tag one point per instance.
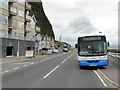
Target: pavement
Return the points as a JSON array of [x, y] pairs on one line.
[[20, 59], [59, 71]]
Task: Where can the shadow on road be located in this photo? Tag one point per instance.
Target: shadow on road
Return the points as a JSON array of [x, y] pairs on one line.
[[92, 68]]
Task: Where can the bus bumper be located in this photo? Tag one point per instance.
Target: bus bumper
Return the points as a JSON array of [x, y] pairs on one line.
[[93, 63]]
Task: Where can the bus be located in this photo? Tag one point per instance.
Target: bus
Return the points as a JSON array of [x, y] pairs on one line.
[[92, 51]]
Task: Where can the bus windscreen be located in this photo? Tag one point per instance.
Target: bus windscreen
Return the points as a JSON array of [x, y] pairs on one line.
[[92, 48]]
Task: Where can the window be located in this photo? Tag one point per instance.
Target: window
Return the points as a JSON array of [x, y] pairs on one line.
[[0, 4], [0, 33], [21, 13], [4, 5], [14, 35], [13, 9], [0, 18], [21, 25], [3, 33], [21, 36], [93, 48], [3, 19], [15, 23], [21, 2]]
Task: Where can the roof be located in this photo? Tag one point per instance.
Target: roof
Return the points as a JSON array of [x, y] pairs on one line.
[[33, 17]]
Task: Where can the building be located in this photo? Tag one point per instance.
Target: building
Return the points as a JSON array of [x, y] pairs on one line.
[[35, 32], [16, 34], [46, 41], [18, 30]]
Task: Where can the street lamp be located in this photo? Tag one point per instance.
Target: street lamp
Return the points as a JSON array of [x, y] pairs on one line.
[[100, 32]]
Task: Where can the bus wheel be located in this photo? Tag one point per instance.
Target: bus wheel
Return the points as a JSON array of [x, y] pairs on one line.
[[81, 67]]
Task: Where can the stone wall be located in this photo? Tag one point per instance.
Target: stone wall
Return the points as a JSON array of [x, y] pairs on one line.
[[14, 43]]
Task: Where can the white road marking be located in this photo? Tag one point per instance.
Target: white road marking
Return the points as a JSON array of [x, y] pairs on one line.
[[25, 65], [63, 61], [51, 72], [6, 71], [100, 79], [2, 72], [32, 63], [49, 58], [107, 78], [118, 56], [68, 57], [16, 68]]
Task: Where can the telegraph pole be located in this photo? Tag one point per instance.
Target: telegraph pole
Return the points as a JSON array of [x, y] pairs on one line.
[[60, 40]]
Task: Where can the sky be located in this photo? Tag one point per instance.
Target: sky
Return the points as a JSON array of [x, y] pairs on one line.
[[74, 18]]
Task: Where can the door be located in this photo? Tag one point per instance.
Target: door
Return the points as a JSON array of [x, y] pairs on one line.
[[9, 50]]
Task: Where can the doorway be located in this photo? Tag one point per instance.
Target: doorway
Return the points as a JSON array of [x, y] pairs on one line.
[[10, 50]]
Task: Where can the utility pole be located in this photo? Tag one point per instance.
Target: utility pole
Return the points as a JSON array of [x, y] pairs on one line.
[[18, 52], [100, 32], [60, 40]]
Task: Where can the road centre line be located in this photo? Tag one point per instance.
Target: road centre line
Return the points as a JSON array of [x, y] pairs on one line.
[[50, 58], [100, 79], [63, 61], [55, 68], [51, 72], [68, 57], [6, 71], [25, 65], [32, 63], [71, 55], [16, 68]]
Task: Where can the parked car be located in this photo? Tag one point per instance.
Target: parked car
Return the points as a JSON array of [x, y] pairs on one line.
[[46, 51], [49, 51], [65, 49], [55, 50]]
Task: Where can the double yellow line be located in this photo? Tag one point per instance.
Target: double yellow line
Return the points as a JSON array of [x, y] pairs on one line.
[[105, 77]]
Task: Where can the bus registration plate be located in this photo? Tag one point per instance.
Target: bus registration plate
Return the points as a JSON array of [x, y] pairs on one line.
[[93, 65]]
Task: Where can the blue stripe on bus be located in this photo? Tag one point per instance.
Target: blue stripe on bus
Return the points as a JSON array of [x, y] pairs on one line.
[[93, 63]]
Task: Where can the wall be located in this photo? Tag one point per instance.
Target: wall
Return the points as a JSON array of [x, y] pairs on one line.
[[12, 42]]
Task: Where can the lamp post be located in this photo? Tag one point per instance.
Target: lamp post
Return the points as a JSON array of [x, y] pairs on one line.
[[100, 32]]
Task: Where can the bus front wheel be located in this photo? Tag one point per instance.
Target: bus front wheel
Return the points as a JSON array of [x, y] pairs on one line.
[[81, 67]]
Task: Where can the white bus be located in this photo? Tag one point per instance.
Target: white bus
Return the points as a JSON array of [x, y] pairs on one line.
[[92, 51]]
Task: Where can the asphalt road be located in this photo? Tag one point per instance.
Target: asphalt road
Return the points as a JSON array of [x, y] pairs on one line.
[[60, 71]]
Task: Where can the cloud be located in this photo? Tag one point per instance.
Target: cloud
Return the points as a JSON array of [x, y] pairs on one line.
[[82, 25], [74, 18]]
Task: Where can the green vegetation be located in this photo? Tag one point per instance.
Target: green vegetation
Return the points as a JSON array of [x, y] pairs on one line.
[[61, 44], [114, 50], [58, 43], [42, 20]]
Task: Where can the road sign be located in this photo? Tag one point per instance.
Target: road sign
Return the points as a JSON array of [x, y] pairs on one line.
[[29, 53]]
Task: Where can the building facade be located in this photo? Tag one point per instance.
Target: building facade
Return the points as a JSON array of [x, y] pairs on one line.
[[16, 33], [18, 30]]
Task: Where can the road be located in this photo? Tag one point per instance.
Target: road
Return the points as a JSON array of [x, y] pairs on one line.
[[58, 71]]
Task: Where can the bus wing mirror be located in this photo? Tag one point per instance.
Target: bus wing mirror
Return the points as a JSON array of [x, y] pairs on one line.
[[108, 44], [76, 45]]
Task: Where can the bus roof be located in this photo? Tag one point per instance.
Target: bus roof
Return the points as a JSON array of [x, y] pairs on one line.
[[93, 36]]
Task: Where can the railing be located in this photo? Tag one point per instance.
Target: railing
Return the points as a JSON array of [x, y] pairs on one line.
[[13, 10], [12, 25], [28, 29], [13, 1], [115, 57], [28, 17]]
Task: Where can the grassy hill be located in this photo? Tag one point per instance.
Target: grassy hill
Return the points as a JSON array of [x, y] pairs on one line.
[[42, 20]]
